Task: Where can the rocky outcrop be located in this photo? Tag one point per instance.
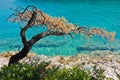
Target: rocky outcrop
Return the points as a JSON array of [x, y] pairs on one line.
[[4, 57], [107, 60]]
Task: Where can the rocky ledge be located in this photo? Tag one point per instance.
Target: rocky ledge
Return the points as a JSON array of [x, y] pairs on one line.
[[107, 60], [4, 57]]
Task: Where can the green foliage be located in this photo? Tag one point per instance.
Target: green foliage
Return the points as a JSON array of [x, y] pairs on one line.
[[109, 79], [118, 75], [39, 72], [98, 74], [68, 74], [22, 72]]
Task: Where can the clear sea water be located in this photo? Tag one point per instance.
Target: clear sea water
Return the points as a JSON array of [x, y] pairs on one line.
[[94, 13]]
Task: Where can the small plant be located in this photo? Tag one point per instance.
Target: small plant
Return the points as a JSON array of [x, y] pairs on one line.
[[98, 73], [16, 72], [118, 75], [30, 72], [23, 72], [39, 72], [69, 74]]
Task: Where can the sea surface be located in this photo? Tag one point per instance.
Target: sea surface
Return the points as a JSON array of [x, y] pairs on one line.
[[103, 14]]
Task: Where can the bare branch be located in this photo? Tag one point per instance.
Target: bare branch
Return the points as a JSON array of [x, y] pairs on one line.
[[44, 34], [29, 24], [35, 17], [34, 8], [71, 35]]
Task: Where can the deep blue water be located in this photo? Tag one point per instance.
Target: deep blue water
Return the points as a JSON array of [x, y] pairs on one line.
[[96, 13]]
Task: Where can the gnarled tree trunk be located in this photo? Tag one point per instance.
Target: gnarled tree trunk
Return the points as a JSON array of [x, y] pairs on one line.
[[15, 58], [28, 44]]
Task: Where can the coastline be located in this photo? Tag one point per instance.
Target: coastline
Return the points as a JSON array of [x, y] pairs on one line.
[[107, 60]]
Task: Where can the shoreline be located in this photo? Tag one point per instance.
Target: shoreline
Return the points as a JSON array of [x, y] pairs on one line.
[[107, 60]]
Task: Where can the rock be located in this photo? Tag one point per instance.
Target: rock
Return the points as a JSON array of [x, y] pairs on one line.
[[109, 72], [8, 54], [38, 59], [29, 55], [75, 63], [12, 53], [106, 60], [65, 66], [54, 64], [3, 61], [56, 59], [59, 59], [5, 54]]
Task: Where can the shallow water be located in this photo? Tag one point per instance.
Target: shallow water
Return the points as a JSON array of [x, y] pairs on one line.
[[96, 13]]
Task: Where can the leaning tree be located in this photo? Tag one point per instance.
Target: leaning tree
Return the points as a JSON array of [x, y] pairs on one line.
[[34, 17]]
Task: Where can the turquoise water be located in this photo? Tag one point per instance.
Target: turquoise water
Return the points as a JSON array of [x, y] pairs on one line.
[[94, 13]]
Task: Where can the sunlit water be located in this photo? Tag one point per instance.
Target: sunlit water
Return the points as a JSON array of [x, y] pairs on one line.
[[94, 13]]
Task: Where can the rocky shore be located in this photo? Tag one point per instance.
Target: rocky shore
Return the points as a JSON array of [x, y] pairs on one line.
[[107, 60], [4, 57]]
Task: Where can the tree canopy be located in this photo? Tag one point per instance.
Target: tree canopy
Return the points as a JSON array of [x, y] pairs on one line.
[[58, 24]]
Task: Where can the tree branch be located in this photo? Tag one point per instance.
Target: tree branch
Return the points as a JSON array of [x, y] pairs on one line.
[[29, 24], [37, 37], [29, 7]]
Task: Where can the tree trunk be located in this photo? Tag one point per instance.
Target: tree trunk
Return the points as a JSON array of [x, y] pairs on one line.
[[28, 45], [15, 58]]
